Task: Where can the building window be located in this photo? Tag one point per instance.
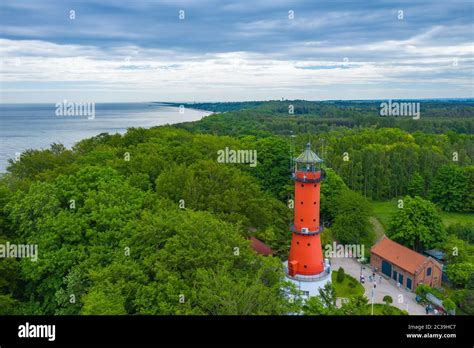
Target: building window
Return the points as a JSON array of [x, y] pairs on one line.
[[305, 293], [428, 271]]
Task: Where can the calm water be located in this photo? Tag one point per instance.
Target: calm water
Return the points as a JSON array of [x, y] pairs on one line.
[[36, 126]]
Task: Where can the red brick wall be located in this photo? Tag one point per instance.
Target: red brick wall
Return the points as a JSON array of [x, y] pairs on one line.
[[433, 280], [376, 261]]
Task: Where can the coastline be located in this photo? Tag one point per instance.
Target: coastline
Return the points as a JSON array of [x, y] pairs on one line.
[[12, 134]]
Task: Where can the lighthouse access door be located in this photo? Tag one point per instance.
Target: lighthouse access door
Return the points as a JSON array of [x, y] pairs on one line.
[[386, 268]]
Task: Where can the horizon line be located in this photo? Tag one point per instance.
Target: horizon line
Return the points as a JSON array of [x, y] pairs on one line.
[[250, 101]]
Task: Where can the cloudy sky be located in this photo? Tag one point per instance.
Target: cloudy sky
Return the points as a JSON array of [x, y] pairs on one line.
[[216, 50]]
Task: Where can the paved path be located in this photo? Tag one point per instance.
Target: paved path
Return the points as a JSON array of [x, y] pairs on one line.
[[386, 287]]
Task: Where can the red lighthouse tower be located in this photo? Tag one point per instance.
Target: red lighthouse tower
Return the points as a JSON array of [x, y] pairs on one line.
[[306, 266]]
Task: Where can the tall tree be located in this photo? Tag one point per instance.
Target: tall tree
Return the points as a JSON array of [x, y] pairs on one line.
[[331, 187], [416, 187], [352, 223], [417, 224], [449, 188]]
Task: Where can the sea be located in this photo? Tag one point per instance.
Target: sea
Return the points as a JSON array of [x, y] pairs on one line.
[[36, 126]]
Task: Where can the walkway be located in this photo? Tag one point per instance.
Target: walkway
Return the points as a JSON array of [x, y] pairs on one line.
[[386, 287]]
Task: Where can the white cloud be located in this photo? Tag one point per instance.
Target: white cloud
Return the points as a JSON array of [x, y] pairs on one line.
[[165, 72]]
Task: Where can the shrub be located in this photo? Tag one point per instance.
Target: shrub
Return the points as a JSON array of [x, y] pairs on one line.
[[340, 275], [466, 303], [449, 305], [460, 273], [462, 231], [387, 299], [422, 290]]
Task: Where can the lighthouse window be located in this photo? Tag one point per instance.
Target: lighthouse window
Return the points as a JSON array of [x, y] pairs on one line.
[[298, 243], [302, 185], [309, 244], [301, 220], [314, 202], [314, 185], [305, 266], [314, 220], [301, 202]]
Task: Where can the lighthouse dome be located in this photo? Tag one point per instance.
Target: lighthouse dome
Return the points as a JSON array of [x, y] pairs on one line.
[[308, 156]]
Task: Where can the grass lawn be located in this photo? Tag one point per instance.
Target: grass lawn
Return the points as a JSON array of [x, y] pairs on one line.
[[349, 287], [384, 210], [452, 218]]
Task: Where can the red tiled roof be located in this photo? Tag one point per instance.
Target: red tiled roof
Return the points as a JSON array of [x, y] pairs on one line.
[[398, 255], [260, 247]]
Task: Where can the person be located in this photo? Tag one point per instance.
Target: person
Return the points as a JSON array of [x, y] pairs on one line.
[[380, 279], [427, 310]]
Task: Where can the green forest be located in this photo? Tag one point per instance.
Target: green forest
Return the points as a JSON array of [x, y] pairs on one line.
[[149, 222]]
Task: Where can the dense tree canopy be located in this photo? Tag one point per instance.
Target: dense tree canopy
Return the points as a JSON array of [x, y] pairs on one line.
[[449, 188], [120, 250], [351, 224], [149, 222]]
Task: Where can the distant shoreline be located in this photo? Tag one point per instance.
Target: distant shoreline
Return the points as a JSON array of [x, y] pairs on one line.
[[28, 128]]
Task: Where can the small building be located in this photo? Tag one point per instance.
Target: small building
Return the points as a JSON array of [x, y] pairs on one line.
[[404, 265], [260, 247], [438, 255]]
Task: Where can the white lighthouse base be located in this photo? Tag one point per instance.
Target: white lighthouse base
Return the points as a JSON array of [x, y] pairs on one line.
[[309, 285]]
